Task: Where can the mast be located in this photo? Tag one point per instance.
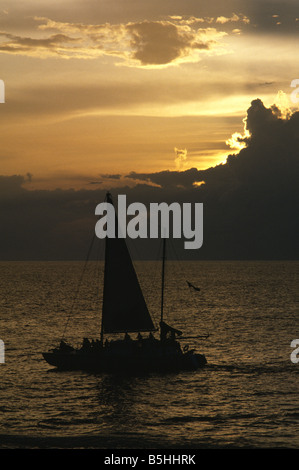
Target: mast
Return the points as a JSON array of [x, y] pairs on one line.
[[163, 279], [102, 319], [108, 195]]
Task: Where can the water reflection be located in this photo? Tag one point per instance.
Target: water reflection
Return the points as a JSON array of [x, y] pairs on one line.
[[117, 397]]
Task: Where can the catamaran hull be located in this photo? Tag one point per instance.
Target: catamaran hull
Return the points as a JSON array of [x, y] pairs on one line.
[[99, 362]]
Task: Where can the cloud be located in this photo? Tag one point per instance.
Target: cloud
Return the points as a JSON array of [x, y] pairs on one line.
[[159, 43], [233, 19], [10, 186], [268, 146], [77, 97], [250, 202], [56, 44], [114, 176], [144, 43], [181, 158]]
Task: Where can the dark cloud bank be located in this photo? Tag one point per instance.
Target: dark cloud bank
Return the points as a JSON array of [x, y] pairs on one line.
[[250, 203]]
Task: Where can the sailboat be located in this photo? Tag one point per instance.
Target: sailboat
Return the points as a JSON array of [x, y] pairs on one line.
[[125, 311]]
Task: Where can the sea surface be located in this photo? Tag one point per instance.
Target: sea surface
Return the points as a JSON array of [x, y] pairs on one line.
[[246, 397]]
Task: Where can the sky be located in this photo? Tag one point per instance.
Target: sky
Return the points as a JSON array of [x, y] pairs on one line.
[[142, 96], [99, 88]]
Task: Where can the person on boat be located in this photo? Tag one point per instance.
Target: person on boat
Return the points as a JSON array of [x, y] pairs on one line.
[[168, 332], [95, 343], [128, 337], [86, 344], [151, 337], [64, 347]]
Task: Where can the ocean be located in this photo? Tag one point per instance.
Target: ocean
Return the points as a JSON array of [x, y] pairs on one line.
[[246, 397]]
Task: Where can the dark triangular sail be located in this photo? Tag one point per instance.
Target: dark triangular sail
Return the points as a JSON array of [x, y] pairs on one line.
[[124, 307]]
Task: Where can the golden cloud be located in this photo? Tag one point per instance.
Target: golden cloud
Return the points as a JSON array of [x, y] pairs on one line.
[[234, 18], [141, 44]]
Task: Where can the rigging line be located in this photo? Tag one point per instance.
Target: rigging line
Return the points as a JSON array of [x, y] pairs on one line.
[[155, 256], [154, 271], [79, 285], [134, 250]]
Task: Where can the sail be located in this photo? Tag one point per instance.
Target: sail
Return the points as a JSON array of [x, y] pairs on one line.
[[124, 307]]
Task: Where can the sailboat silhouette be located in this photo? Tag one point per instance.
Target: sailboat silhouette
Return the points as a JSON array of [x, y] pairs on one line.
[[124, 310]]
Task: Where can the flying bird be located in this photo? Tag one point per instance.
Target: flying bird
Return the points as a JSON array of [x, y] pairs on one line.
[[192, 286]]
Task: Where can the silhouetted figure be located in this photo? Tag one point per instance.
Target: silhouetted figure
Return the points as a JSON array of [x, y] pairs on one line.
[[63, 347], [166, 329], [86, 344]]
